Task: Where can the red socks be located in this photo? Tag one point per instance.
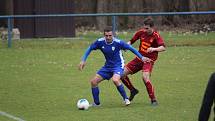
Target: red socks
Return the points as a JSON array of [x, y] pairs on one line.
[[126, 81], [150, 90]]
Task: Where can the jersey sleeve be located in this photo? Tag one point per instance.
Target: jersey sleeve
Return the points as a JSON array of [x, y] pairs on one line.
[[159, 39], [135, 37], [93, 46], [133, 50], [126, 46]]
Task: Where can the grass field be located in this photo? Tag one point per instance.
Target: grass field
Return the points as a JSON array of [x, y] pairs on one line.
[[39, 81]]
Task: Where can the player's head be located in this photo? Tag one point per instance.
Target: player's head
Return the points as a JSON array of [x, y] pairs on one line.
[[148, 25], [108, 33]]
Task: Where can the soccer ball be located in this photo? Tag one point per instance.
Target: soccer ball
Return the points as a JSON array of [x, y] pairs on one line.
[[83, 104]]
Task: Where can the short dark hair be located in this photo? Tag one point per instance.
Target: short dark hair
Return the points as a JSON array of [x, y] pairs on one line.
[[149, 21], [108, 29]]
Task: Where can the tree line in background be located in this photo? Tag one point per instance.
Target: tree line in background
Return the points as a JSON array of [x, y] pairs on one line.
[[144, 6], [195, 22]]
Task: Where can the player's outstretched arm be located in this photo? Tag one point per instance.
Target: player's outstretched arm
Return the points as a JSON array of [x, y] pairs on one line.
[[144, 59], [158, 49], [84, 58]]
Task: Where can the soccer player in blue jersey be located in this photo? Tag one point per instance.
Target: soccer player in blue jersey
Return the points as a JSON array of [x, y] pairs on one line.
[[114, 65]]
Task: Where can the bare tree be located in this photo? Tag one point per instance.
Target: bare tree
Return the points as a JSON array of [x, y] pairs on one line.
[[135, 6], [138, 6], [102, 6]]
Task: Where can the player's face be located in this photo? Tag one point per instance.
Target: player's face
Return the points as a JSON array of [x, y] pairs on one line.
[[148, 29], [108, 36]]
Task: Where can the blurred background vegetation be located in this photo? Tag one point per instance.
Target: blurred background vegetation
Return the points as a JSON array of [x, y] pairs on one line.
[[146, 6], [191, 22]]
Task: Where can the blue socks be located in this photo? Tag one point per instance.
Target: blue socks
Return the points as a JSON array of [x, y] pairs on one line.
[[122, 92], [95, 92]]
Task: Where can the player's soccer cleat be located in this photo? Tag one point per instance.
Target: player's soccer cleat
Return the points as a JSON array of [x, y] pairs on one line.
[[154, 102], [127, 102], [133, 93], [95, 105]]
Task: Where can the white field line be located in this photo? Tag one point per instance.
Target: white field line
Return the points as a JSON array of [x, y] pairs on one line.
[[10, 116]]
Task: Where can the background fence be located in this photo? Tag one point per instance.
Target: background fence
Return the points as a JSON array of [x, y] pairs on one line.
[[114, 16]]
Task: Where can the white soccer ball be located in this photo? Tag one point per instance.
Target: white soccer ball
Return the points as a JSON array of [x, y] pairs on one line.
[[83, 104]]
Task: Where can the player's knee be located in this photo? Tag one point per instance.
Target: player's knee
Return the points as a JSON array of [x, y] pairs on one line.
[[116, 82], [122, 77], [93, 82], [126, 72], [146, 76]]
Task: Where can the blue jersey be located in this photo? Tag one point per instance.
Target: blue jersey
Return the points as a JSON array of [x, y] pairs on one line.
[[112, 51]]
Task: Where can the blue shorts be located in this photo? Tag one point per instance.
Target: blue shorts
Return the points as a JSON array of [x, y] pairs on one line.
[[107, 73]]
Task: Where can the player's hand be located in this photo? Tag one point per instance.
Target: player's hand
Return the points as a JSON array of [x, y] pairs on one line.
[[145, 59], [150, 50], [81, 65]]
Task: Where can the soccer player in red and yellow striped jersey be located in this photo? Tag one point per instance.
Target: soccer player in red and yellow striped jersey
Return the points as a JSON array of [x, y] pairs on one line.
[[150, 44]]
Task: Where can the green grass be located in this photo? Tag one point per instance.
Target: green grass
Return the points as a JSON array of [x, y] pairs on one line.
[[39, 81], [83, 39]]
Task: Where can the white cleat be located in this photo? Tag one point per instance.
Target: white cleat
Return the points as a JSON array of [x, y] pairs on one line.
[[127, 102], [94, 105]]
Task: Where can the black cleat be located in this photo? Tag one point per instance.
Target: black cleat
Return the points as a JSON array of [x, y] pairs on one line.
[[133, 93], [154, 102]]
